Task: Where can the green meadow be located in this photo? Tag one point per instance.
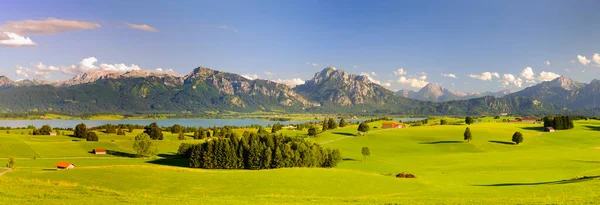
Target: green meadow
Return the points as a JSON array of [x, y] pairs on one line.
[[561, 167]]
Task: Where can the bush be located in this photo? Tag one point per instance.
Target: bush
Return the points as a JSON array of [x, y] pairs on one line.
[[517, 138], [403, 175], [467, 135], [143, 145], [91, 136], [11, 162], [153, 131]]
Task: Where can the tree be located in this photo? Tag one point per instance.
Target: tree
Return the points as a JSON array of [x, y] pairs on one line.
[[120, 132], [469, 120], [11, 162], [366, 152], [45, 130], [176, 128], [342, 122], [443, 122], [143, 145], [468, 135], [262, 131], [91, 136], [325, 126], [517, 138], [180, 136], [331, 124], [312, 131], [154, 131], [81, 131], [363, 127]]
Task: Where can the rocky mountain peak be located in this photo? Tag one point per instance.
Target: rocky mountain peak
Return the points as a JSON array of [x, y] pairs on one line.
[[565, 83], [5, 82]]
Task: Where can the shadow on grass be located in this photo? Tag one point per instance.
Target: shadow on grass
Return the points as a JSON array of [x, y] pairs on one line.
[[119, 154], [586, 161], [566, 181], [344, 133], [442, 142], [595, 128], [539, 129], [49, 169], [349, 159], [171, 160], [501, 142]]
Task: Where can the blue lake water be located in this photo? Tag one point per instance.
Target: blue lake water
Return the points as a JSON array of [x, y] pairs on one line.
[[169, 122]]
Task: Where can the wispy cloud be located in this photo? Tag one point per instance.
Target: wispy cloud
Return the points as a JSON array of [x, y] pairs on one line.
[[226, 27], [143, 27], [413, 82], [269, 74], [251, 76], [46, 26], [400, 71], [548, 63], [596, 59], [312, 64], [548, 76], [449, 75]]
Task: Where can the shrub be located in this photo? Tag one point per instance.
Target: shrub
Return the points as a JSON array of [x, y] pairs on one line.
[[517, 138], [91, 136]]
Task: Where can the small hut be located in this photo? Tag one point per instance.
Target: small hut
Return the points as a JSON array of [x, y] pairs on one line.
[[65, 165], [99, 151]]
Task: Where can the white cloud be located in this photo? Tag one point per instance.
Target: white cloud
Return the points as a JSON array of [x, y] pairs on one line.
[[14, 40], [388, 83], [548, 76], [400, 71], [421, 73], [449, 75], [485, 76], [143, 27], [596, 58], [423, 77], [583, 60], [548, 63], [412, 82], [373, 73], [528, 74], [226, 27], [85, 65], [312, 64], [508, 79], [370, 78], [250, 76], [46, 26], [290, 82], [166, 71], [268, 74]]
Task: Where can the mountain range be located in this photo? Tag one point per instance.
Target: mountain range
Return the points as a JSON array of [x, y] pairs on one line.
[[330, 91]]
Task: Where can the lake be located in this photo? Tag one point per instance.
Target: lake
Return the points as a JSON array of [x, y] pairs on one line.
[[167, 122]]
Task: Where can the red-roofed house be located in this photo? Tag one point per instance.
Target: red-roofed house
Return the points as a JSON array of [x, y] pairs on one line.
[[99, 151], [531, 119], [392, 125], [65, 165]]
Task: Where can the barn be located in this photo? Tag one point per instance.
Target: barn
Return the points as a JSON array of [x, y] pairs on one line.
[[99, 151], [53, 133], [65, 165]]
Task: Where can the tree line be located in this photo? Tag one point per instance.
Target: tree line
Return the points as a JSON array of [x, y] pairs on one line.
[[258, 151]]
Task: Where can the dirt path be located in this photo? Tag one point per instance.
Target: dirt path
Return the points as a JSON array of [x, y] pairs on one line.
[[7, 171]]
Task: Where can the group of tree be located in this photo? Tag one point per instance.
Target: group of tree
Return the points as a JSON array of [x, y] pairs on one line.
[[81, 131], [258, 151], [154, 131], [559, 122], [276, 127], [45, 130]]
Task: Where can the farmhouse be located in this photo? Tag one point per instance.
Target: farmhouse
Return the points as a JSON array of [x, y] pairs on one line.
[[513, 120], [99, 151], [65, 165], [392, 125], [52, 133], [549, 129], [532, 119]]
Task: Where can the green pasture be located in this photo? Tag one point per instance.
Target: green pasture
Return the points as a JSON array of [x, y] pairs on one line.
[[561, 167]]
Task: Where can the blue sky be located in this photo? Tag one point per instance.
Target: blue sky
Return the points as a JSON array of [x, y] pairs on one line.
[[283, 40]]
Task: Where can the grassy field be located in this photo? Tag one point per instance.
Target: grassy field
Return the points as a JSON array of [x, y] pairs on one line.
[[546, 169]]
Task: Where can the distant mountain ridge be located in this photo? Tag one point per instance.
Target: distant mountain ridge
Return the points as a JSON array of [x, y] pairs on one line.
[[329, 91], [433, 92]]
